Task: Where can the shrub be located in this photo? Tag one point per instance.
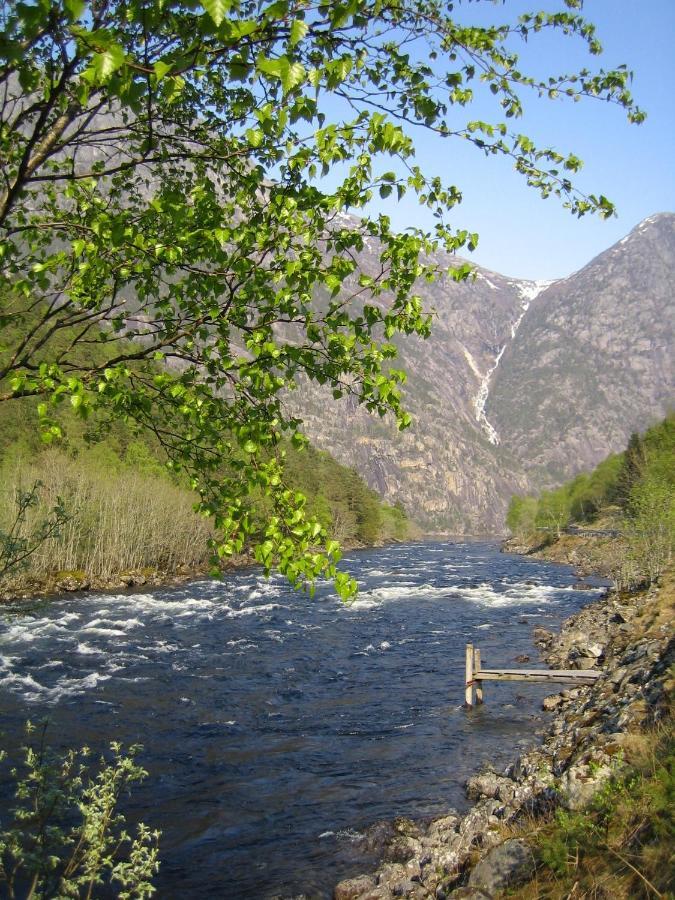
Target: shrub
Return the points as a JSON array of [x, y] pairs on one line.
[[66, 838]]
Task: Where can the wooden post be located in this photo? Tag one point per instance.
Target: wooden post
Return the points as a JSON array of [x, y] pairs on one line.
[[475, 675], [468, 693], [476, 668]]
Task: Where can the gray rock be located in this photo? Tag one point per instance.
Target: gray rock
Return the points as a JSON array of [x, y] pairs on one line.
[[377, 836], [400, 850], [469, 893], [551, 702], [510, 863], [543, 637], [486, 784], [585, 662], [353, 888], [73, 583], [579, 784], [442, 828]]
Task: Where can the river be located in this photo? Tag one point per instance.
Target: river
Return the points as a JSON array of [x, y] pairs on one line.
[[277, 728]]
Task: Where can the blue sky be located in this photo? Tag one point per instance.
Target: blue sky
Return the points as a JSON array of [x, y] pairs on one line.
[[523, 235]]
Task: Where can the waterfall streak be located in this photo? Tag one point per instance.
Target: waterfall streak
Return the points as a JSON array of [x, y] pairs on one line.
[[528, 290]]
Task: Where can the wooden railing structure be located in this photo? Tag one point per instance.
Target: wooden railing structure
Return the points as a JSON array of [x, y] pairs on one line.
[[476, 675]]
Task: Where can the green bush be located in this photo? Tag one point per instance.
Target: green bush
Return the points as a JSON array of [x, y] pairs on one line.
[[639, 483], [65, 837]]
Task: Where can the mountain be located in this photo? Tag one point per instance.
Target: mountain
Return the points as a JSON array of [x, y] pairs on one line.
[[593, 360], [521, 385]]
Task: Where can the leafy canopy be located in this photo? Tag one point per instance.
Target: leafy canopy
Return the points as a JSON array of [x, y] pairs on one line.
[[175, 181]]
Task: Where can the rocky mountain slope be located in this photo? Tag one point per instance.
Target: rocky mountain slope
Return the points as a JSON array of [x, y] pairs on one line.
[[521, 385], [593, 359]]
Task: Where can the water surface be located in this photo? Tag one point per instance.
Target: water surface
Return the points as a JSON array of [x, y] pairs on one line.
[[276, 728]]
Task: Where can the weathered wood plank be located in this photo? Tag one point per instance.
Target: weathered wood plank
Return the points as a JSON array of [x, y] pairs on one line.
[[571, 676], [475, 675], [572, 673], [476, 668], [468, 676]]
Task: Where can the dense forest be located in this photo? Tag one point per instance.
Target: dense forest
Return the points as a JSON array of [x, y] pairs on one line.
[[630, 495]]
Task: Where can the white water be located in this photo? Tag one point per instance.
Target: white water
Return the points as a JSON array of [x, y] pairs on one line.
[[274, 725]]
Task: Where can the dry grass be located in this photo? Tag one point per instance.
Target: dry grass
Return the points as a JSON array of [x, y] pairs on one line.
[[621, 847], [122, 521]]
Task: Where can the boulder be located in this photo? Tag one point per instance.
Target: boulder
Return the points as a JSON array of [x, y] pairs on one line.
[[441, 829], [551, 702], [72, 581], [400, 850], [353, 888], [579, 784], [542, 637], [377, 836], [510, 863]]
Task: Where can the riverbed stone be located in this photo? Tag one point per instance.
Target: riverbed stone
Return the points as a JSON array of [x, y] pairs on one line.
[[71, 582], [469, 893], [401, 849], [377, 836], [510, 863], [551, 702], [441, 829]]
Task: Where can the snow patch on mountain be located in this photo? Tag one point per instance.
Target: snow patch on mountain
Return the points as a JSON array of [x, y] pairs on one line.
[[481, 277]]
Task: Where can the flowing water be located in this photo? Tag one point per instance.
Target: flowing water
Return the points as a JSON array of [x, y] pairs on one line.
[[276, 728]]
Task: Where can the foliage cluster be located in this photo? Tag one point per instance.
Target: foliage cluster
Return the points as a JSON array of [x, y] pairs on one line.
[[66, 837], [179, 173], [638, 483]]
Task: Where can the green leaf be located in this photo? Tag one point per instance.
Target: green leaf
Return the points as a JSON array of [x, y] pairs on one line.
[[75, 8], [299, 30], [217, 9], [254, 136], [104, 65], [162, 68], [290, 74]]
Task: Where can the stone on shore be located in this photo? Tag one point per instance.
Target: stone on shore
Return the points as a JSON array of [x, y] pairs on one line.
[[510, 863]]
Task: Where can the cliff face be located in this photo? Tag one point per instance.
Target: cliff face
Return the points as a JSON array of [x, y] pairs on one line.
[[445, 469], [522, 384], [593, 359]]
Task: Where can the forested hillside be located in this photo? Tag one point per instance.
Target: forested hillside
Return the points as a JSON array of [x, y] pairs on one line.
[[629, 496]]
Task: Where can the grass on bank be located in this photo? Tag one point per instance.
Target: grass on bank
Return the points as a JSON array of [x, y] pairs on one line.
[[621, 847]]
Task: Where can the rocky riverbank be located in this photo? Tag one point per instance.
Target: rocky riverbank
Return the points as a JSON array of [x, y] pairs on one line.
[[626, 637], [28, 586], [591, 554]]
